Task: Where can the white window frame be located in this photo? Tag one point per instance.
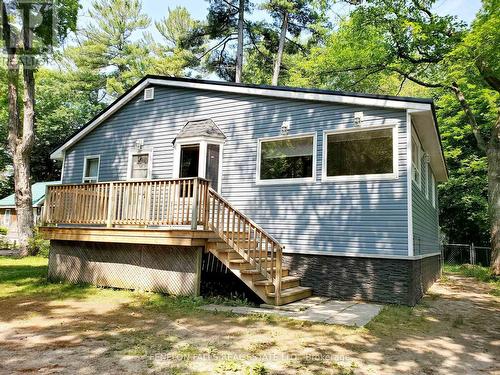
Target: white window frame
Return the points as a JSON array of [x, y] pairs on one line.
[[7, 218], [418, 167], [433, 190], [427, 179], [281, 181], [85, 179], [203, 143], [363, 177], [131, 154]]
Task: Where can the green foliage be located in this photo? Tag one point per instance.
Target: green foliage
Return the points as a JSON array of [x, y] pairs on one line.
[[38, 246], [4, 231], [470, 270]]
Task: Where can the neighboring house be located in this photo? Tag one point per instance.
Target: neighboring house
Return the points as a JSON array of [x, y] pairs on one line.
[[8, 215], [337, 190]]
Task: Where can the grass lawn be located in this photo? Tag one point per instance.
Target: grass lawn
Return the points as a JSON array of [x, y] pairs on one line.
[[61, 328]]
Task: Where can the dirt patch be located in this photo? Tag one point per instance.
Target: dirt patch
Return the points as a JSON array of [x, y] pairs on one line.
[[455, 330]]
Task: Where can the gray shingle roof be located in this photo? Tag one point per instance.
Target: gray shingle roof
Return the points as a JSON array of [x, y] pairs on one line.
[[201, 128]]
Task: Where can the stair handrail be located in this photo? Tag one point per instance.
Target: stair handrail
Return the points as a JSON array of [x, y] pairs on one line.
[[276, 247]]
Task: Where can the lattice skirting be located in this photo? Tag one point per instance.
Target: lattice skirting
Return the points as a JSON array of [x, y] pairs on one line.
[[168, 269]]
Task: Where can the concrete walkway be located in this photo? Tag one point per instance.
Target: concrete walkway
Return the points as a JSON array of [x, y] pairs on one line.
[[313, 309]]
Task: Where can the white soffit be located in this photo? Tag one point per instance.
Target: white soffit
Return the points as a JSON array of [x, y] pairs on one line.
[[429, 138]]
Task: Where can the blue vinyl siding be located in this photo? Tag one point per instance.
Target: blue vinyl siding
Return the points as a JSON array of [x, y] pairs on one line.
[[368, 217], [425, 216]]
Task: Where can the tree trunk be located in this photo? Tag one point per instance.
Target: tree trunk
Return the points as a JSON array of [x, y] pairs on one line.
[[493, 154], [239, 51], [21, 143], [281, 46], [494, 195]]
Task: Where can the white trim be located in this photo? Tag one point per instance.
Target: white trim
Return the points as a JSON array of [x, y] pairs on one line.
[[409, 182], [418, 167], [332, 98], [287, 250], [426, 168], [132, 153], [357, 100], [281, 181], [365, 177], [62, 165], [85, 159], [202, 142], [433, 190], [5, 216]]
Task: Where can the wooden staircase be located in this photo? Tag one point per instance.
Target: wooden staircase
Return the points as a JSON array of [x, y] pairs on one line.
[[252, 254]]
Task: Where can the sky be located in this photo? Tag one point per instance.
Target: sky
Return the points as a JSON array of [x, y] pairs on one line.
[[157, 9]]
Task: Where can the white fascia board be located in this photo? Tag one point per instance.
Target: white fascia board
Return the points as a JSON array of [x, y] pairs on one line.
[[344, 99], [332, 98]]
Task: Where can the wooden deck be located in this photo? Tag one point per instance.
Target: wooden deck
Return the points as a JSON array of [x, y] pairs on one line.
[[172, 237], [180, 212]]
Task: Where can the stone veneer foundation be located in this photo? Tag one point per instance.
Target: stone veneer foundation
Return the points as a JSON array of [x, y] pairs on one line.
[[401, 281]]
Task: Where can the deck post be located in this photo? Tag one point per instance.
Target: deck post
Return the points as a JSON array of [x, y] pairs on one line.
[[194, 213], [277, 286], [111, 199], [46, 202]]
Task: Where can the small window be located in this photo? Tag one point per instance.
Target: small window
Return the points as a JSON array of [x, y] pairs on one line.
[[360, 153], [287, 159], [139, 166], [91, 169], [433, 190], [6, 218], [416, 169]]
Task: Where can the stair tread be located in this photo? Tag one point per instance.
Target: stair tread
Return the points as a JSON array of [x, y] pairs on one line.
[[243, 260], [284, 279], [255, 271], [291, 291]]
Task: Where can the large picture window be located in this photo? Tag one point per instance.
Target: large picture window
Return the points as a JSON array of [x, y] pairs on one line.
[[286, 159], [91, 169], [359, 154]]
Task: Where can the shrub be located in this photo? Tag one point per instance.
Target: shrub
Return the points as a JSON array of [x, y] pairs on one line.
[[38, 246], [3, 231]]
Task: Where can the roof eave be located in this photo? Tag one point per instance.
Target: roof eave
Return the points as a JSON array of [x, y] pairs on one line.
[[280, 92]]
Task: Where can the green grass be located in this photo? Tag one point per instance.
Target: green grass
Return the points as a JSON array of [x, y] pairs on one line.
[[478, 272]]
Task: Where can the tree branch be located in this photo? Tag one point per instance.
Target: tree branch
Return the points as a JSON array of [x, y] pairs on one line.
[[481, 144]]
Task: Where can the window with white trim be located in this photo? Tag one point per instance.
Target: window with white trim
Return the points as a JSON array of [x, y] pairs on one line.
[[427, 179], [91, 169], [140, 166], [360, 153], [286, 159], [433, 190], [416, 160], [6, 218]]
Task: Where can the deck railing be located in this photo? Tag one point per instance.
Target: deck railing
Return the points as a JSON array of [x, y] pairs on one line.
[[188, 201], [247, 238], [142, 203]]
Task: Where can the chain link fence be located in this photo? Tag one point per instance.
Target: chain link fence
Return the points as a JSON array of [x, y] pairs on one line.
[[457, 253]]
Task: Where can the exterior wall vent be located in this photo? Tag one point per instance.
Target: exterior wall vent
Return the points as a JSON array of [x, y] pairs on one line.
[[149, 93]]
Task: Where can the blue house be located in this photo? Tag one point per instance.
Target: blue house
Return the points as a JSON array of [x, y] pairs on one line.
[[296, 191]]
